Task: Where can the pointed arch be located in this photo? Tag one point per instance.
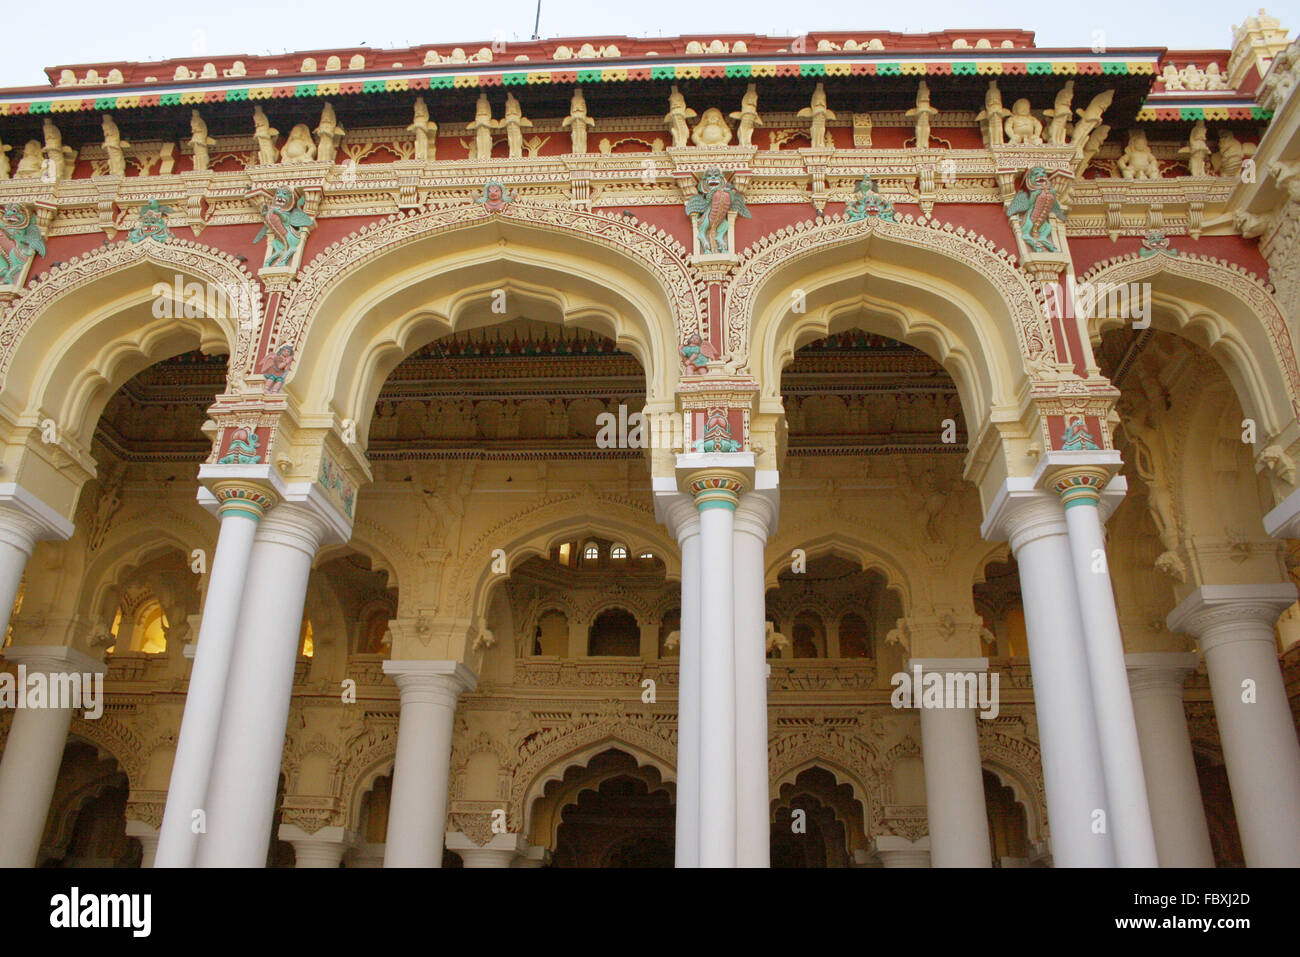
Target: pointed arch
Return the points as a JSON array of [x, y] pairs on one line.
[[1228, 312], [85, 327], [369, 300]]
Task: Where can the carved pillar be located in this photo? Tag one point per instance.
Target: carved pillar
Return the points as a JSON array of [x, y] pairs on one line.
[[417, 813], [1174, 792], [241, 503], [1079, 486], [246, 765], [1234, 626], [24, 520], [34, 749]]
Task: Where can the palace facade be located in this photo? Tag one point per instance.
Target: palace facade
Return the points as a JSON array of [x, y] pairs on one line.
[[854, 449]]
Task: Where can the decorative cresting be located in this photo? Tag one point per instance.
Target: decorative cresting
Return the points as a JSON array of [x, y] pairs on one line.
[[815, 236], [658, 252], [1242, 283], [221, 270]]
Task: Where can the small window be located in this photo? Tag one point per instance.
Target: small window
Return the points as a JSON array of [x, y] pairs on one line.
[[618, 551], [591, 552], [646, 555]]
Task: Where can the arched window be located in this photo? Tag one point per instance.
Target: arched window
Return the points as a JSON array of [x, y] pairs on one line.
[[809, 638], [590, 552], [552, 634], [855, 637], [614, 632], [618, 552]]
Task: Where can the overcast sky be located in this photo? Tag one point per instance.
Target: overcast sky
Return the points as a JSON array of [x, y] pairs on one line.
[[43, 34]]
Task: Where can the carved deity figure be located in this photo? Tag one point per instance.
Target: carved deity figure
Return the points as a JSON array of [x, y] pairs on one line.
[[152, 224], [1090, 117], [20, 242], [1232, 155], [1036, 204], [678, 114], [267, 154], [1144, 435], [514, 122], [1077, 438], [299, 147], [275, 367], [817, 113], [712, 129], [283, 223], [922, 113], [56, 154], [712, 207], [694, 361], [1197, 150], [330, 133], [242, 449], [114, 148], [867, 202], [748, 116], [200, 141], [31, 163], [1022, 127], [578, 122], [425, 130], [1138, 162], [993, 115], [482, 127], [1059, 116]]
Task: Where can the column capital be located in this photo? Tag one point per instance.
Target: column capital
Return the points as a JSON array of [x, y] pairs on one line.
[[54, 659], [1284, 520], [243, 497], [760, 508], [894, 851], [1159, 671], [1021, 513], [675, 509], [1214, 614], [430, 682], [500, 850], [222, 487], [715, 479], [25, 519]]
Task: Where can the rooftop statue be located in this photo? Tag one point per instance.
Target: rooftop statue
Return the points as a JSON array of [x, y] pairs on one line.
[[748, 116], [818, 113], [267, 154], [1138, 162], [578, 122], [1022, 127], [993, 115], [514, 121], [425, 130], [330, 132], [114, 147], [712, 129], [922, 111], [1090, 117], [1059, 116], [678, 114], [482, 127], [200, 141], [299, 147]]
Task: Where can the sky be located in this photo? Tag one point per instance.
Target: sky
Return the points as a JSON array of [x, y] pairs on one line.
[[83, 32]]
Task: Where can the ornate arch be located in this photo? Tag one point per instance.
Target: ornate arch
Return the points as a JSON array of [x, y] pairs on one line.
[[845, 755], [546, 756], [856, 547], [202, 262], [776, 254], [656, 261], [1271, 394], [1018, 764]]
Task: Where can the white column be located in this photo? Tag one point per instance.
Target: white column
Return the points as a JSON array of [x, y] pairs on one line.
[[754, 521], [894, 851], [324, 847], [954, 776], [683, 520], [1121, 755], [1234, 626], [501, 850], [246, 766], [716, 500], [241, 508], [148, 838], [417, 811], [1173, 790], [24, 520], [1034, 522], [34, 749]]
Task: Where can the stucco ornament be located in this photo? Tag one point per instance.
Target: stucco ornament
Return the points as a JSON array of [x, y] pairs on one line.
[[712, 129], [1077, 438], [152, 224], [242, 449], [678, 114], [283, 226], [20, 243], [712, 207], [748, 116], [1138, 162], [868, 203], [495, 197], [1035, 204], [1022, 127], [817, 113]]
